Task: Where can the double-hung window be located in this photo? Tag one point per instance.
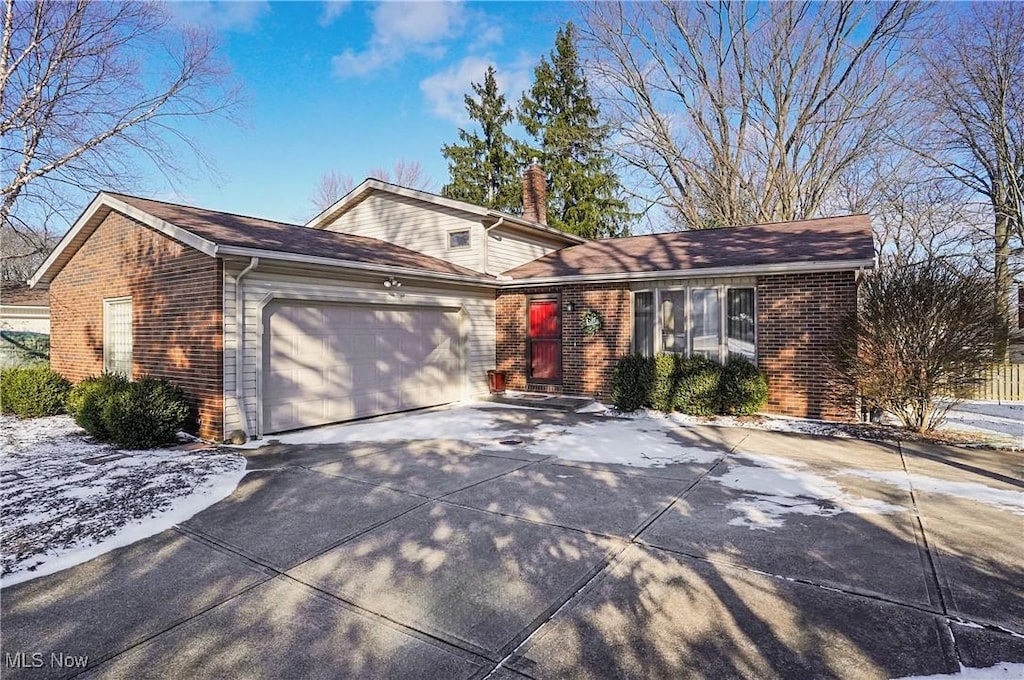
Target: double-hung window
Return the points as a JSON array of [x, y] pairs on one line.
[[117, 336], [739, 319], [706, 322], [643, 323], [716, 322], [673, 321]]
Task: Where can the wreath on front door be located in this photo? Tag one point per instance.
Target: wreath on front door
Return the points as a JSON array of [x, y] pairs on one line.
[[590, 322]]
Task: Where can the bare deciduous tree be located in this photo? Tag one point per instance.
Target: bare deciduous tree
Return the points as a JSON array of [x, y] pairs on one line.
[[333, 185], [747, 112], [974, 80], [917, 214], [81, 103], [329, 188], [918, 342]]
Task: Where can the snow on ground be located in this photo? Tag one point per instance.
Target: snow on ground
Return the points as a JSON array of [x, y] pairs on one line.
[[775, 487], [59, 510], [640, 443], [1004, 420], [475, 422], [1001, 671], [1004, 499], [992, 422], [769, 423]]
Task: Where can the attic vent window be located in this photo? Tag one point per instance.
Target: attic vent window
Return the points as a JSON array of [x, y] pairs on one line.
[[458, 239]]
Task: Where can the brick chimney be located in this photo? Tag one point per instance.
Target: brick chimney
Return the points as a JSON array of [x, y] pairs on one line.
[[535, 194]]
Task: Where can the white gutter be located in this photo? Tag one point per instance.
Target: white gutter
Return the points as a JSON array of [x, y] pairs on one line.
[[486, 248], [537, 226], [240, 342], [349, 264], [746, 270]]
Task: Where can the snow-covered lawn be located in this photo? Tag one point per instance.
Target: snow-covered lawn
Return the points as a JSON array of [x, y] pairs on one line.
[[988, 418], [61, 506]]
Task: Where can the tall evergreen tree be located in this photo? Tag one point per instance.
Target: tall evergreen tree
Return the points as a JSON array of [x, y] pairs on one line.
[[483, 169], [563, 120]]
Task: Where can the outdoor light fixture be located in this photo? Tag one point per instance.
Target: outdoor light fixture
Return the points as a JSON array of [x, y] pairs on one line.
[[570, 307], [392, 282]]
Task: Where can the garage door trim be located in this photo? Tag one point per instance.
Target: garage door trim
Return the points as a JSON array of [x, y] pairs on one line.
[[400, 301]]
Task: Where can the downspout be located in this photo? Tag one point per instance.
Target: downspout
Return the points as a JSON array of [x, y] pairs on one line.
[[240, 343], [486, 249]]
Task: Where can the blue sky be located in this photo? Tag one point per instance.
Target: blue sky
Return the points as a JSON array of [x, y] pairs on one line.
[[350, 86]]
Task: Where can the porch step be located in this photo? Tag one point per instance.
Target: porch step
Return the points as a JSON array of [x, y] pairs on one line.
[[551, 402]]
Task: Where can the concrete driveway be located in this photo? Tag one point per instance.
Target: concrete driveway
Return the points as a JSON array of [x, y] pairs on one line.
[[769, 555]]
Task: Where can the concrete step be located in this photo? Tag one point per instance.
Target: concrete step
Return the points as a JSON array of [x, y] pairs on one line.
[[550, 402]]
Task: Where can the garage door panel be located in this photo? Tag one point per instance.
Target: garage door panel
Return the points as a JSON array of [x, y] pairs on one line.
[[332, 362]]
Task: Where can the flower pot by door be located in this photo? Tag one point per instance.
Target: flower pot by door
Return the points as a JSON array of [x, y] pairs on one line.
[[496, 381]]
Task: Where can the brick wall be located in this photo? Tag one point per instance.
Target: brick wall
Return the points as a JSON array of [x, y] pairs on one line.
[[177, 312], [796, 315], [795, 318], [587, 361]]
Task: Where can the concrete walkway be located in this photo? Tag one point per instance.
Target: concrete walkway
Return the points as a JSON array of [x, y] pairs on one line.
[[438, 559]]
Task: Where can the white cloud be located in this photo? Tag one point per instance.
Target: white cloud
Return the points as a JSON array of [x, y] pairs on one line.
[[446, 90], [400, 29], [219, 16], [332, 9]]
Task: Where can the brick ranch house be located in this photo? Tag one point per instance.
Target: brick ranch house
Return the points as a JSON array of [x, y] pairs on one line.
[[395, 299]]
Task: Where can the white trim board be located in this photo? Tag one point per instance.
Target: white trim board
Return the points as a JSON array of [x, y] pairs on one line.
[[706, 272]]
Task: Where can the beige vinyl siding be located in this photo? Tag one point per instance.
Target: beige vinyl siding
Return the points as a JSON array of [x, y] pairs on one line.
[[415, 225], [259, 284], [507, 249]]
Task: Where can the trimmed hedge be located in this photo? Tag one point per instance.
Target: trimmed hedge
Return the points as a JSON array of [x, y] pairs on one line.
[[33, 391], [632, 382], [145, 414], [86, 401], [692, 385], [133, 415], [744, 388], [686, 384]]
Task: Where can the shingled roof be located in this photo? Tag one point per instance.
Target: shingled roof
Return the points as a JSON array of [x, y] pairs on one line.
[[830, 240], [18, 294], [228, 229]]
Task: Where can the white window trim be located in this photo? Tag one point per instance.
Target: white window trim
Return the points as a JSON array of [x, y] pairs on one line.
[[723, 310], [448, 239], [108, 304]]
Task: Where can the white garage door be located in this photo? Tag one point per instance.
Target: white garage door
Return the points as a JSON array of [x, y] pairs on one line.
[[324, 363]]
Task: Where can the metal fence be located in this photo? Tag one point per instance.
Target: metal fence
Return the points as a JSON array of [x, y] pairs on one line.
[[1003, 382]]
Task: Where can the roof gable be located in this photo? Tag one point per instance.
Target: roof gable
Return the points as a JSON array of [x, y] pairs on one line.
[[826, 242], [218, 233], [428, 200]]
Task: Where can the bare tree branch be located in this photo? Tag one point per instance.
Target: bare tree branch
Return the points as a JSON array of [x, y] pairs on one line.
[[81, 104], [333, 185], [974, 83], [739, 112]]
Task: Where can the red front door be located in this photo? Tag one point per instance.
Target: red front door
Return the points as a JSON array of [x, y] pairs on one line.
[[544, 344]]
